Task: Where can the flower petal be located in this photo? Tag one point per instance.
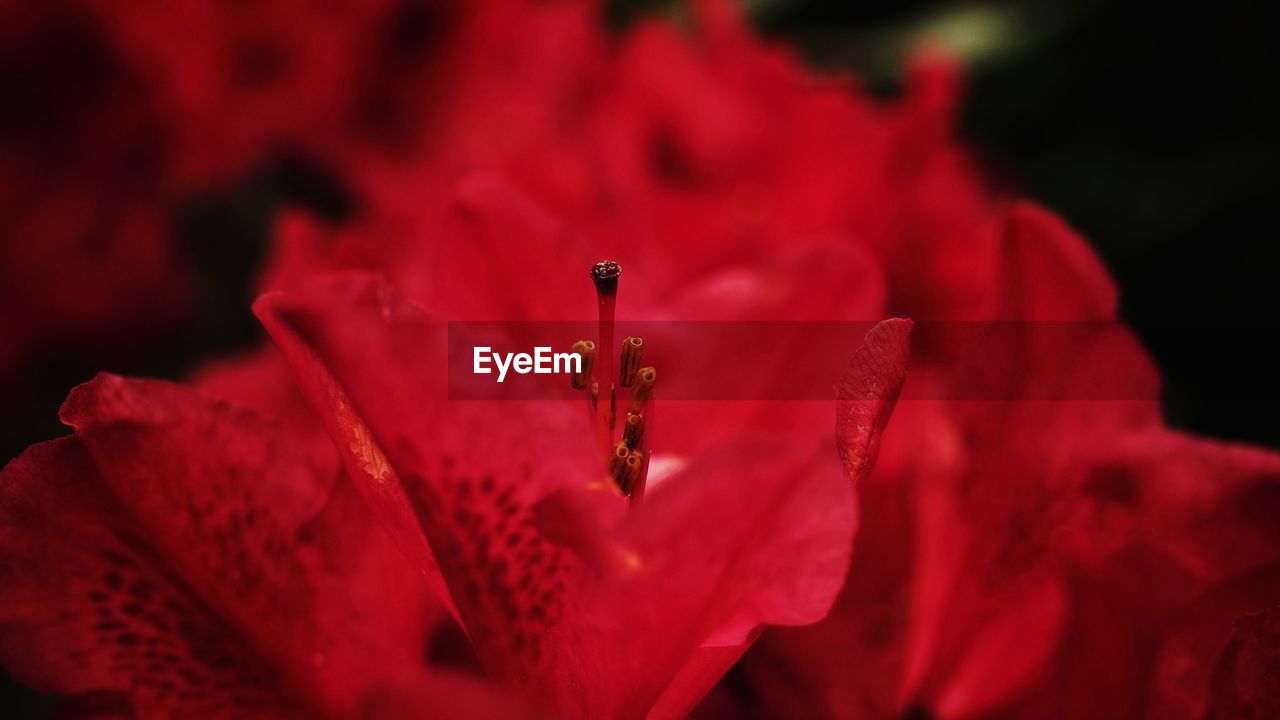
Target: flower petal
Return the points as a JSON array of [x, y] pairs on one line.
[[86, 607], [169, 552], [868, 393], [1246, 682], [1050, 272], [750, 534], [374, 368], [366, 464]]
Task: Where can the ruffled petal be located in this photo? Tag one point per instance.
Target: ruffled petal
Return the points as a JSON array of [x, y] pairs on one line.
[[184, 555]]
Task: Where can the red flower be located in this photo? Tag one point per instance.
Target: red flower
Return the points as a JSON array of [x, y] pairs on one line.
[[182, 555], [597, 615], [116, 113], [1038, 557], [721, 171], [86, 265], [1019, 554], [341, 80]]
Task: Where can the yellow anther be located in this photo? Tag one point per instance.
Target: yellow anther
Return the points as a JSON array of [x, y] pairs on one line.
[[644, 388], [587, 351], [633, 429], [617, 460], [632, 349], [630, 472]]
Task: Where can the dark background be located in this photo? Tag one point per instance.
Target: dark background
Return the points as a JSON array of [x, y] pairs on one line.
[[1150, 128]]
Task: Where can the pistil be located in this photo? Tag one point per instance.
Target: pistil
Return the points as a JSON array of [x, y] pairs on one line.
[[605, 275]]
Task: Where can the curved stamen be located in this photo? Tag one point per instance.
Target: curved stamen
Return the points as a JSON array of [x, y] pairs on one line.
[[630, 472], [587, 351], [629, 364], [644, 388], [633, 429], [617, 460]]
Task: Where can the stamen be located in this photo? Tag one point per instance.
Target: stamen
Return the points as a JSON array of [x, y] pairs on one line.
[[633, 429], [587, 351], [628, 461], [644, 388], [636, 491], [630, 472], [617, 461], [629, 365]]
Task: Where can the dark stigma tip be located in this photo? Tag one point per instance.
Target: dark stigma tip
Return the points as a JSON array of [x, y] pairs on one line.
[[605, 275]]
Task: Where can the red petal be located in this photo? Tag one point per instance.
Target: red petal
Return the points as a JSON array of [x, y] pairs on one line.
[[1050, 272], [1203, 513], [84, 609], [746, 535], [167, 552], [447, 695], [1246, 683], [374, 368], [849, 664], [366, 464], [868, 393], [700, 673]]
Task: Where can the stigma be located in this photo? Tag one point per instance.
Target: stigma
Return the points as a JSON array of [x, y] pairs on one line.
[[605, 275]]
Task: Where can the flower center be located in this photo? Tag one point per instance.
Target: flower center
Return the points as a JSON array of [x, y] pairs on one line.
[[627, 448]]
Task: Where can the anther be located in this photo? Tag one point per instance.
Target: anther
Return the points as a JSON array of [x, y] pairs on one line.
[[632, 348], [633, 429], [587, 351], [644, 388], [617, 461], [630, 472]]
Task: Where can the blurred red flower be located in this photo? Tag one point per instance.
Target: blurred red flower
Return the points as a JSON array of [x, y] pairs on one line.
[[1020, 554], [114, 115], [1016, 556], [86, 263], [1038, 558]]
